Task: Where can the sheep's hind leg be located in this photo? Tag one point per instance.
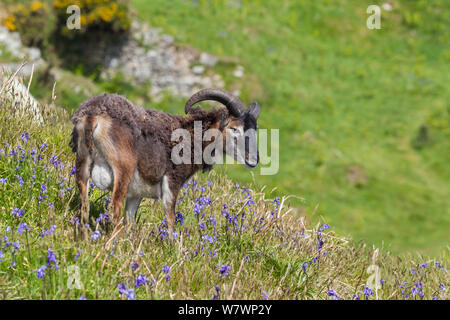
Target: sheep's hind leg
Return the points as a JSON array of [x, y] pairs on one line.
[[82, 164]]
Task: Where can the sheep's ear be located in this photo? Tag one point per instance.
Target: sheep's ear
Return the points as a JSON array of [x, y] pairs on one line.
[[223, 121], [254, 109]]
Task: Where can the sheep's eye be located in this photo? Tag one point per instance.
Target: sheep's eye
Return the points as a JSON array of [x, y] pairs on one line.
[[235, 130]]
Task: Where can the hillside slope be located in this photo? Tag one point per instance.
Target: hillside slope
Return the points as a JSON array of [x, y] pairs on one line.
[[232, 242], [363, 114]]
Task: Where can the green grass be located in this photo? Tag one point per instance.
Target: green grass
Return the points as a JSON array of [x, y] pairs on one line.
[[270, 253], [341, 95]]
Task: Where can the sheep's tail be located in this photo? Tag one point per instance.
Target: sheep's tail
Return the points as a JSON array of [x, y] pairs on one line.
[[86, 135], [74, 140]]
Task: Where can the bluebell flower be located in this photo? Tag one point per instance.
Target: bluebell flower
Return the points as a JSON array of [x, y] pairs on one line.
[[179, 218], [3, 180], [77, 255], [140, 280], [25, 137], [224, 270], [213, 220], [331, 293], [122, 287], [72, 172], [305, 266], [16, 245], [265, 295], [51, 258], [367, 292], [82, 298], [41, 272], [323, 227], [130, 294], [166, 270], [48, 232], [7, 243], [134, 266], [95, 235], [23, 226], [17, 212]]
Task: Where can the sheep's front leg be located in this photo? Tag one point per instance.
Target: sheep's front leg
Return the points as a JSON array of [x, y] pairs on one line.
[[169, 196], [131, 207]]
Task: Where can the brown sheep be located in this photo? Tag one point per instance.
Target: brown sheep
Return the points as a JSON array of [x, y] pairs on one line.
[[127, 149]]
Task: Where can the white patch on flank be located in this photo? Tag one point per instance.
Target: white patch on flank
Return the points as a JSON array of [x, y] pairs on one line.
[[140, 189]]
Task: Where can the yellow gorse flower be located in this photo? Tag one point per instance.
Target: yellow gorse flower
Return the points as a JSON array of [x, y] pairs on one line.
[[36, 5], [10, 23]]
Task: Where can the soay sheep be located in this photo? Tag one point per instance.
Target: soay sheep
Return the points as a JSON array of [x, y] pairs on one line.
[[128, 149]]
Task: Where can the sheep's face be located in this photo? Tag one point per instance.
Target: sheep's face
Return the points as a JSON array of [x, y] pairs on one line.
[[240, 137]]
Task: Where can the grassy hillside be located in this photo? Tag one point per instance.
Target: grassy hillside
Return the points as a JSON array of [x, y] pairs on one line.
[[349, 103], [232, 242]]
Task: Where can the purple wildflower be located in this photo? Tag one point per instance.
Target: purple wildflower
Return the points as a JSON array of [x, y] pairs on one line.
[[166, 270], [23, 226], [77, 255], [224, 270], [122, 287], [25, 137], [331, 293], [367, 292], [134, 266], [51, 258], [17, 212], [140, 280], [41, 272], [130, 294], [305, 266], [95, 235]]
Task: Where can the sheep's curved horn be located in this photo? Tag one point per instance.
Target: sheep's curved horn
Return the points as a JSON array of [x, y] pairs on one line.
[[233, 104]]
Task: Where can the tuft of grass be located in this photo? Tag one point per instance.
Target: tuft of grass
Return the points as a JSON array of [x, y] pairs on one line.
[[231, 241]]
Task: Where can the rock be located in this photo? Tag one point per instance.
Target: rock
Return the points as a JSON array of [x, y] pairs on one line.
[[18, 92], [208, 60], [198, 70], [238, 72], [13, 45], [387, 6], [151, 57]]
